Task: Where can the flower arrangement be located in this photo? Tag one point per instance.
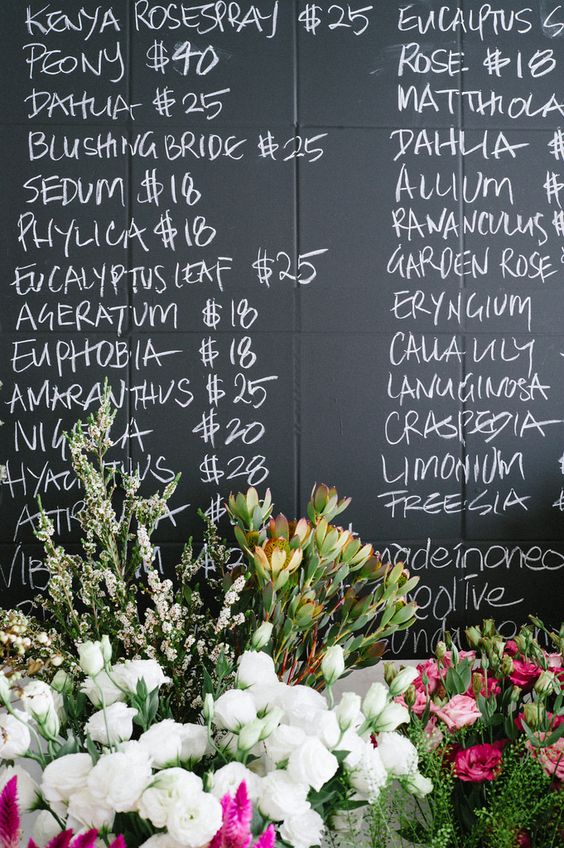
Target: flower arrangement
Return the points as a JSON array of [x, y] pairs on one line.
[[489, 727], [111, 759]]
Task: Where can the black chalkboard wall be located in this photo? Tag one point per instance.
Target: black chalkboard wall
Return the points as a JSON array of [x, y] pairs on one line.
[[305, 241]]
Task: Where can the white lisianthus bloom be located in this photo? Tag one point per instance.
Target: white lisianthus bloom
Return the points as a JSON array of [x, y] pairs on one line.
[[418, 785], [85, 810], [303, 830], [333, 664], [5, 689], [101, 690], [312, 763], [90, 658], [227, 780], [28, 790], [390, 718], [195, 742], [250, 735], [354, 744], [111, 725], [160, 840], [266, 697], [282, 741], [375, 700], [163, 741], [301, 705], [65, 776], [348, 711], [234, 709], [15, 737], [195, 819], [129, 673], [397, 753], [403, 680], [326, 727], [119, 779], [281, 796], [262, 635], [368, 776], [255, 668], [166, 788], [45, 828]]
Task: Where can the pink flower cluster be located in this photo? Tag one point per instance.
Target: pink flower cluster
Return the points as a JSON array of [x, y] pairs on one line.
[[235, 831]]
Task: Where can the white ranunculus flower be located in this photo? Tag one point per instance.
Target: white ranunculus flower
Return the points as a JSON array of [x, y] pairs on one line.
[[85, 810], [195, 742], [101, 690], [375, 700], [312, 763], [301, 705], [28, 790], [234, 709], [418, 785], [111, 725], [65, 776], [194, 819], [129, 673], [90, 657], [163, 741], [303, 830], [397, 753], [45, 828], [282, 741], [227, 780], [326, 727], [348, 711], [390, 718], [333, 664], [15, 737], [255, 668], [119, 779], [281, 796], [368, 776], [166, 788]]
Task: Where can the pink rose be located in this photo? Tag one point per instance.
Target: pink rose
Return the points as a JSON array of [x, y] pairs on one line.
[[479, 763], [551, 757], [460, 711], [524, 674]]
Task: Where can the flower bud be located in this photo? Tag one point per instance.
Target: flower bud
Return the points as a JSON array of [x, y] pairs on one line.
[[390, 718], [375, 700], [270, 722], [440, 650], [515, 694], [348, 710], [106, 648], [418, 785], [410, 695], [506, 665], [250, 735], [61, 682], [333, 664], [473, 636], [545, 683], [390, 672], [534, 714], [4, 689], [91, 658], [403, 680], [261, 636], [477, 684], [208, 708], [488, 627]]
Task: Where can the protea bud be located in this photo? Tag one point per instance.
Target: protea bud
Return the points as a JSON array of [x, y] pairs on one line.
[[248, 511], [324, 503]]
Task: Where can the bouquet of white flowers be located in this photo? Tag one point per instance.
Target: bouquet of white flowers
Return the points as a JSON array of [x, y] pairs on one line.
[[109, 757]]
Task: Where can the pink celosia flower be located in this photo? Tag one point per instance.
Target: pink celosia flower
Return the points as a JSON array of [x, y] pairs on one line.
[[479, 763], [235, 831], [460, 711]]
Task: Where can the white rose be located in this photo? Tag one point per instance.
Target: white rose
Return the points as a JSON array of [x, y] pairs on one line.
[[128, 674], [233, 709], [101, 690], [111, 725], [195, 742], [163, 741], [167, 787], [15, 738], [301, 705], [312, 763], [45, 828], [119, 779], [281, 796], [91, 658], [375, 700], [418, 785], [390, 718], [333, 664], [368, 776], [65, 776], [28, 790], [227, 780], [348, 711], [85, 810], [255, 668], [285, 739], [397, 753], [195, 819], [303, 830]]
